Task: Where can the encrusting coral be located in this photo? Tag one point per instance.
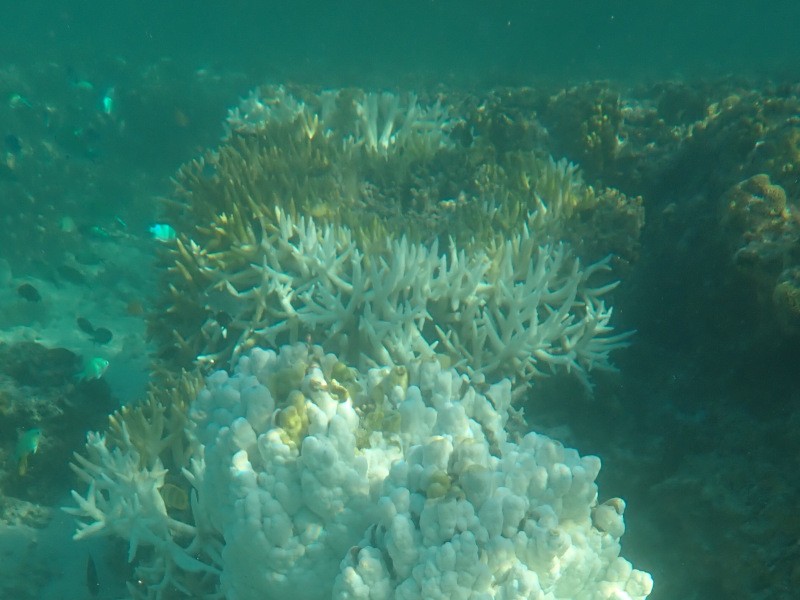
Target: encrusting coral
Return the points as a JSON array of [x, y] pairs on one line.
[[762, 230]]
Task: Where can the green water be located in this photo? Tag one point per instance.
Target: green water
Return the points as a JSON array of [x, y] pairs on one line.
[[358, 40]]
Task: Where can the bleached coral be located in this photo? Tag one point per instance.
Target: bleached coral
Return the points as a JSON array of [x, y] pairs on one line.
[[559, 189], [256, 111], [378, 166], [405, 476], [316, 481], [383, 123], [443, 503], [511, 310], [124, 500], [388, 122]]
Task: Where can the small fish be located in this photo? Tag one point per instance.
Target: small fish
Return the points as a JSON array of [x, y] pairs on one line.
[[100, 335], [92, 582], [93, 368], [67, 224], [181, 118], [108, 101], [85, 325], [28, 444], [16, 100], [30, 293], [223, 318], [71, 274], [13, 144], [162, 232], [99, 232], [135, 308], [174, 497]]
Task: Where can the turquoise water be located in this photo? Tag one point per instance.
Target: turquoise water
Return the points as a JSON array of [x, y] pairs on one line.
[[102, 102], [354, 41]]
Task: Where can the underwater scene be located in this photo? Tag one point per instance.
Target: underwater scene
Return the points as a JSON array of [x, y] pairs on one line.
[[392, 301]]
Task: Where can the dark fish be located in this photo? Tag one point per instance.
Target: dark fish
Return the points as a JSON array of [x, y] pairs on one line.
[[102, 335], [30, 293], [99, 335], [91, 578], [71, 274], [13, 144], [223, 318], [85, 325]]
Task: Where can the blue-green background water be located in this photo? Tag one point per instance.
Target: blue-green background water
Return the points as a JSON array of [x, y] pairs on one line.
[[359, 40], [383, 44]]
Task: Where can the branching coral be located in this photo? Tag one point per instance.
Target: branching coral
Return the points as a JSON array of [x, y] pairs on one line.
[[124, 499], [344, 219], [384, 166], [505, 311], [137, 489], [156, 426], [382, 123]]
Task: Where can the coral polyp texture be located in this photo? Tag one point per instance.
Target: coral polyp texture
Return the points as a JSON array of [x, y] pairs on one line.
[[323, 214], [316, 480]]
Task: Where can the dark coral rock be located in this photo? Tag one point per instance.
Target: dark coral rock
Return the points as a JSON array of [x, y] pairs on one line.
[[32, 364]]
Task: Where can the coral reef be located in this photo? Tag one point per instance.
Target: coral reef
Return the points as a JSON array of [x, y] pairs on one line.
[[138, 489], [589, 118], [717, 164], [156, 426], [125, 499], [715, 161], [441, 273]]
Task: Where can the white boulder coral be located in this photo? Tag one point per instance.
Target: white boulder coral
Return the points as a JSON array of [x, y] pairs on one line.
[[444, 502]]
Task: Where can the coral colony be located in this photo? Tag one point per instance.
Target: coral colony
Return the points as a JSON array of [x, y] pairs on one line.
[[356, 434]]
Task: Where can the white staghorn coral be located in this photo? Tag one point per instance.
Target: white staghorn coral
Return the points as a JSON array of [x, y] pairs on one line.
[[385, 123], [124, 500], [388, 122], [255, 112], [514, 309]]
